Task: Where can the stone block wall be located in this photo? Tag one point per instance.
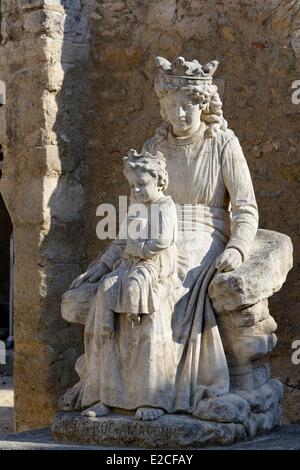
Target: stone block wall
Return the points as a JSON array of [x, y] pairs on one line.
[[42, 59], [79, 79]]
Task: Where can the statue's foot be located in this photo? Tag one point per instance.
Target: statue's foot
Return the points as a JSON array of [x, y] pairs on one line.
[[146, 413], [68, 401], [96, 411]]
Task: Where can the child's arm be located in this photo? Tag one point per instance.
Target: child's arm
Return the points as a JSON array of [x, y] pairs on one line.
[[165, 232]]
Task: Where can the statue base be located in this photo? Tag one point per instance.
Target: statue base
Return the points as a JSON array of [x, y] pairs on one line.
[[169, 431]]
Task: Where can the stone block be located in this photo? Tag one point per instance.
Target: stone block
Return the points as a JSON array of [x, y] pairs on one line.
[[258, 278], [261, 374], [225, 409], [243, 349], [169, 432], [76, 302], [259, 423], [245, 318], [263, 398]]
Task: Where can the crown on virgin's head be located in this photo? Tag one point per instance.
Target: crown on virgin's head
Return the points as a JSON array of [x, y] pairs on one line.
[[183, 69]]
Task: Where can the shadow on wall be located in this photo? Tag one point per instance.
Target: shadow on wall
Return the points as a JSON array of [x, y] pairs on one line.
[[62, 251], [42, 186]]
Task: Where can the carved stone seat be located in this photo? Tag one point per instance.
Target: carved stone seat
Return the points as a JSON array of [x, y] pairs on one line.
[[240, 299], [76, 302]]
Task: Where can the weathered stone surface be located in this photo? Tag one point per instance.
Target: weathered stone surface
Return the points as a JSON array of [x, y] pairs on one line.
[[76, 303], [227, 409], [244, 348], [263, 398], [261, 374], [259, 423], [249, 377], [258, 278], [248, 334], [170, 431], [42, 189], [245, 318], [285, 438]]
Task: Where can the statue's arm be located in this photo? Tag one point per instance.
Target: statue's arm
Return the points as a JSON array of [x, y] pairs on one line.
[[244, 208], [163, 233], [102, 265], [112, 254], [165, 236]]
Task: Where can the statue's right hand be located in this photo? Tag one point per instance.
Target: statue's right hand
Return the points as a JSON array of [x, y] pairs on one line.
[[93, 274]]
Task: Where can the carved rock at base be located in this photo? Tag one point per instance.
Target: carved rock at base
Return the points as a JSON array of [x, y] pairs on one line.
[[263, 398], [169, 432], [225, 409], [259, 423]]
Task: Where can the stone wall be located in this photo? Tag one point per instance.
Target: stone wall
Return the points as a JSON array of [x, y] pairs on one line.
[[79, 78], [42, 61]]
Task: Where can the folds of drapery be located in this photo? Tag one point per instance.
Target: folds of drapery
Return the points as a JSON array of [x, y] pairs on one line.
[[244, 211]]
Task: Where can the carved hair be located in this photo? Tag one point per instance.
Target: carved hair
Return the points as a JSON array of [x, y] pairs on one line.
[[206, 95], [154, 164]]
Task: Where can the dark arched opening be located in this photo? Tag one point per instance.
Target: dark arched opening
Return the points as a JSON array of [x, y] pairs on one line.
[[5, 271]]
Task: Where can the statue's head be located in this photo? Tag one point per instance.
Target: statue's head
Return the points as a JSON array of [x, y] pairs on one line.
[[188, 96], [146, 174]]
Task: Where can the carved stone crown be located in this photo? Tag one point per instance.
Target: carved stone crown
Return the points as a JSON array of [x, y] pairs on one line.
[[154, 164], [144, 160], [183, 70]]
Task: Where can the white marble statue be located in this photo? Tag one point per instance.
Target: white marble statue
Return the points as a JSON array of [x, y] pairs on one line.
[[148, 265], [174, 357]]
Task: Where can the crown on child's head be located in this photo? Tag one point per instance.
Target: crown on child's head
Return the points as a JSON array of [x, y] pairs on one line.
[[155, 164], [181, 69], [143, 160]]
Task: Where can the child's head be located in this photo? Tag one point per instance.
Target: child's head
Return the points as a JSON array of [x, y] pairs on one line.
[[146, 174]]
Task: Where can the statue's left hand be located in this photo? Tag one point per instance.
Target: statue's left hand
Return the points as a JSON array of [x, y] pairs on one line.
[[229, 260]]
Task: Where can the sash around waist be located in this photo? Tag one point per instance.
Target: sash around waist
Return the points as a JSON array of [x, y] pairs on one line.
[[193, 220]]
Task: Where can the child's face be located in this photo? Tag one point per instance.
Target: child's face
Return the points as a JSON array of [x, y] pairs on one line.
[[144, 188]]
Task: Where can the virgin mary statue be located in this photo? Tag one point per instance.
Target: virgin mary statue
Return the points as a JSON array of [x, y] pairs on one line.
[[175, 358]]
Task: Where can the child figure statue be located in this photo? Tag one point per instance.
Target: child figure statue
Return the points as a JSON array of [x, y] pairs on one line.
[[149, 258]]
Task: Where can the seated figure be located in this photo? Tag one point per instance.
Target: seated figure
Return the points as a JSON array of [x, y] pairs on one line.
[[133, 286], [185, 357]]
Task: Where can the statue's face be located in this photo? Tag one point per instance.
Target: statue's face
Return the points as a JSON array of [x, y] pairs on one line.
[[183, 113], [144, 187]]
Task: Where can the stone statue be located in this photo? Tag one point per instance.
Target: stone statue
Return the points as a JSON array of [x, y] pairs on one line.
[[147, 264], [198, 354]]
